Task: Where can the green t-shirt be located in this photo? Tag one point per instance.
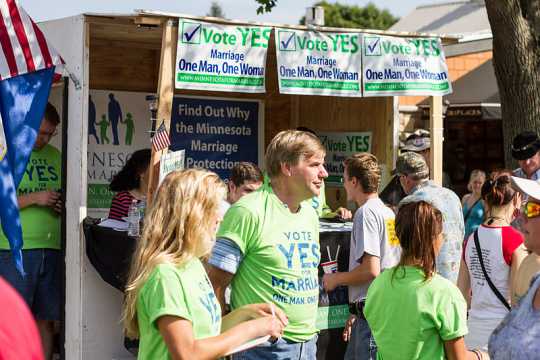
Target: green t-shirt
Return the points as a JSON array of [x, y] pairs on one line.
[[281, 256], [183, 291], [40, 224], [410, 318]]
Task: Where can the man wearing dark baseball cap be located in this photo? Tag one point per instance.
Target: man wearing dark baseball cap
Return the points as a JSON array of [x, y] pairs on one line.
[[525, 149], [413, 173]]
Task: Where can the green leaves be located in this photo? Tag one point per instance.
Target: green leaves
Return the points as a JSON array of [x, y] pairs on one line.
[[353, 16], [266, 6]]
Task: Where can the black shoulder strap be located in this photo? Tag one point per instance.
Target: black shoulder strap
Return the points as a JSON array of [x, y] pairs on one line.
[[493, 288], [470, 210]]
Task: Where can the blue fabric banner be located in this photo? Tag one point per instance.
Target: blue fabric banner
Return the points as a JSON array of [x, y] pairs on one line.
[[22, 104]]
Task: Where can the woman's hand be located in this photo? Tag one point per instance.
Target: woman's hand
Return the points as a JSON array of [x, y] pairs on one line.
[[348, 328], [269, 325], [255, 311]]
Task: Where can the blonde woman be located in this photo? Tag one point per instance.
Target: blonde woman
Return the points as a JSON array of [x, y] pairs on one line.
[[473, 206], [170, 304]]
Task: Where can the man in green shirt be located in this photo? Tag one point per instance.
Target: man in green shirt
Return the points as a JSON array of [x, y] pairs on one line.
[[40, 205], [267, 246]]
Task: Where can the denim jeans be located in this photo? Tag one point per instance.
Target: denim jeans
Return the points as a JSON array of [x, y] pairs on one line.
[[281, 350], [361, 344], [41, 286]]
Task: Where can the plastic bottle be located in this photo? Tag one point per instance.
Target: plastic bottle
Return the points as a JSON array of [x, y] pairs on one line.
[[141, 207], [133, 219]]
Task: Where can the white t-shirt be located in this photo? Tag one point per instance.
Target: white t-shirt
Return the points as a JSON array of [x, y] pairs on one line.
[[373, 233], [497, 245]]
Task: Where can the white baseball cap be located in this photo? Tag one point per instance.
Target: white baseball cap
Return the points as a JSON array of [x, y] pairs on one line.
[[528, 187]]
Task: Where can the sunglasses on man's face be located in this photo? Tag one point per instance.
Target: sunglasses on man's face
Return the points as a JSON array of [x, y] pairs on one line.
[[531, 210]]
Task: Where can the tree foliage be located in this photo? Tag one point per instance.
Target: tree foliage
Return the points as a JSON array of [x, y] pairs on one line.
[[353, 16], [266, 6], [345, 16], [216, 10]]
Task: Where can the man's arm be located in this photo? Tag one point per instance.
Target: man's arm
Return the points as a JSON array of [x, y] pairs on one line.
[[222, 265], [368, 269], [220, 279], [41, 198]]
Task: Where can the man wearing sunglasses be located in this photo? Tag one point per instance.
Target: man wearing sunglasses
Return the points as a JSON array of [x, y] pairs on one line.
[[40, 206]]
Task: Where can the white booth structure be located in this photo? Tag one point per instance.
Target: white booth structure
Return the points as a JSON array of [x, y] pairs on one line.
[[131, 56]]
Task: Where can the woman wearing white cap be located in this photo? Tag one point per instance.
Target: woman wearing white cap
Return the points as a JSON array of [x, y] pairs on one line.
[[518, 336]]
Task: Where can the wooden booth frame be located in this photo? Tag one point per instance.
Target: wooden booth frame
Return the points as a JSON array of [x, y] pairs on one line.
[[137, 52]]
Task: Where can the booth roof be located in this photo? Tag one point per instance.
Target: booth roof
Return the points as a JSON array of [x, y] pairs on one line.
[[446, 39], [476, 88], [452, 17]]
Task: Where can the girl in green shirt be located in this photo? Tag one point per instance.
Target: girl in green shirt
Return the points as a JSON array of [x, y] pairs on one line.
[[170, 304], [413, 312]]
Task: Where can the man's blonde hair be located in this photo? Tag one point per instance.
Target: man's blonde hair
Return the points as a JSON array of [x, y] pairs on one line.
[[289, 147], [178, 227]]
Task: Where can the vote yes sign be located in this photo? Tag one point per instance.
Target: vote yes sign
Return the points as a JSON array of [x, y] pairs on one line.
[[221, 57], [404, 66], [318, 63]]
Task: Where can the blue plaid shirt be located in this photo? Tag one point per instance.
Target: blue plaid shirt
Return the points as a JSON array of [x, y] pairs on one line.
[[447, 202]]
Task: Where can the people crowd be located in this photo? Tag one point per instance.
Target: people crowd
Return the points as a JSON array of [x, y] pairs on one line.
[[429, 276]]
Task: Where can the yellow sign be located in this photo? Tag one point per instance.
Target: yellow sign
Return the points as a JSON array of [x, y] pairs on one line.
[[391, 231]]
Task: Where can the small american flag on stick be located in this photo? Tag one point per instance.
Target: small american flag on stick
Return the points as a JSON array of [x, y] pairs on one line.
[[160, 140]]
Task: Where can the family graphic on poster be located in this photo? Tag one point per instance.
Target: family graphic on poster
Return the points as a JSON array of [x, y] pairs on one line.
[[113, 117]]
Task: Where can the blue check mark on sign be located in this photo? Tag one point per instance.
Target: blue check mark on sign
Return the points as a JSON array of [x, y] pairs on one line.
[[371, 47], [189, 35], [285, 44]]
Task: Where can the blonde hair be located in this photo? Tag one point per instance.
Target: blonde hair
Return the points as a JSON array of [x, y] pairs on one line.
[[474, 174], [179, 226], [289, 147]]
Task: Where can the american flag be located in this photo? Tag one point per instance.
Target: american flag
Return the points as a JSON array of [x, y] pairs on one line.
[[160, 140], [23, 46], [27, 65]]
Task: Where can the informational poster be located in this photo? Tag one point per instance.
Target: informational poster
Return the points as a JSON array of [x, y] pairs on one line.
[[170, 162], [216, 133], [118, 125], [221, 57], [404, 66], [317, 63], [339, 146]]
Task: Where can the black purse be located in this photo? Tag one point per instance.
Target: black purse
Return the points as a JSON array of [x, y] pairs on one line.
[[491, 285]]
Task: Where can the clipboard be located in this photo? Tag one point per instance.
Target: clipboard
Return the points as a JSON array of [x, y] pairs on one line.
[[248, 345]]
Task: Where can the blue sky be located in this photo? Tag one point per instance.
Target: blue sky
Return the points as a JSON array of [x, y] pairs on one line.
[[287, 11]]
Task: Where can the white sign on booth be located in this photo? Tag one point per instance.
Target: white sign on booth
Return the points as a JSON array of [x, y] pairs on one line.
[[221, 57], [317, 63], [404, 66], [170, 162], [118, 125]]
